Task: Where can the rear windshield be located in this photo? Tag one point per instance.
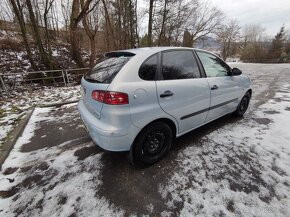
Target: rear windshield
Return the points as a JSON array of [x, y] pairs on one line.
[[108, 67]]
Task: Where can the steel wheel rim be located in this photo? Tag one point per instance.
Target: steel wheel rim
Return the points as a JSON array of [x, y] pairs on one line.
[[154, 142], [244, 105]]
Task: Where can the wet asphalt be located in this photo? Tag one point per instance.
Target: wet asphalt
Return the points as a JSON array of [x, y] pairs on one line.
[[123, 185]]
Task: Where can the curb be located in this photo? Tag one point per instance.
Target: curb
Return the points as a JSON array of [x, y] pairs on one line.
[[9, 144], [58, 104]]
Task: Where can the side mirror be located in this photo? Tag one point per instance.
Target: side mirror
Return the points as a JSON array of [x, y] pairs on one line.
[[236, 71]]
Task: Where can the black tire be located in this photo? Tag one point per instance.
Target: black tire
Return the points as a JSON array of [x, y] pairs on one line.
[[243, 105], [152, 144]]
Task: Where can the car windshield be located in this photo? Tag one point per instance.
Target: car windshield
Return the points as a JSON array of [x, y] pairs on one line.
[[108, 67]]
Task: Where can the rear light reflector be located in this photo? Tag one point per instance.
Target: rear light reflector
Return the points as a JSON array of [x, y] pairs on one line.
[[110, 97]]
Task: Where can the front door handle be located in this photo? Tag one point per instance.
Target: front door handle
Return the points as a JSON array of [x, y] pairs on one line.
[[214, 87], [167, 93]]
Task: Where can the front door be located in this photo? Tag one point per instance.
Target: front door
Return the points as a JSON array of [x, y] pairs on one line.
[[224, 88], [182, 92]]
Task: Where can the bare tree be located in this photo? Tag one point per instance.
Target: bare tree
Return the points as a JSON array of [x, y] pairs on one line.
[[150, 23], [254, 46], [66, 11], [252, 33], [110, 35], [91, 25], [77, 14], [6, 14], [171, 18], [164, 18], [117, 20], [48, 7], [205, 20], [45, 57], [137, 20], [120, 23], [55, 17], [18, 11], [228, 34]]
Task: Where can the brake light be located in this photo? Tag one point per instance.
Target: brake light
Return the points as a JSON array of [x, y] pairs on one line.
[[110, 97]]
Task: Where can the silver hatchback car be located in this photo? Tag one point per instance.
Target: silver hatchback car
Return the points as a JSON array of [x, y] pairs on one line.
[[141, 99]]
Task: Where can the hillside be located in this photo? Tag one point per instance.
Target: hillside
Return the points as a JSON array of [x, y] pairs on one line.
[[13, 56]]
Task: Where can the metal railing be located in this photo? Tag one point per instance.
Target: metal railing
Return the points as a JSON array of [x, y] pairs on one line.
[[74, 76], [25, 80]]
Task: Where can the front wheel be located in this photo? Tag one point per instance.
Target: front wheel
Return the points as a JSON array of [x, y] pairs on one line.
[[243, 105], [152, 144]]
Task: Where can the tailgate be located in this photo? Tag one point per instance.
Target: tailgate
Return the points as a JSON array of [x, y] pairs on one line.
[[92, 105]]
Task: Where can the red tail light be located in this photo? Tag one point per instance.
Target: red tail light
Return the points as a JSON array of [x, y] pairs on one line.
[[110, 97]]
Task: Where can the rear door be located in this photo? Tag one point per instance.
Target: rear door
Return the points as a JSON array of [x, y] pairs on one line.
[[182, 92], [225, 90], [100, 77]]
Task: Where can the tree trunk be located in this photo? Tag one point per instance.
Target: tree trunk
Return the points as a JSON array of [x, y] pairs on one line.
[[93, 51], [150, 23], [46, 10], [120, 29], [21, 22], [162, 30], [136, 24], [91, 36], [74, 40], [46, 59], [131, 19], [107, 17]]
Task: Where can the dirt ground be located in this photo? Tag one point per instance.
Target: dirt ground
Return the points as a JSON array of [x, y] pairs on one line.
[[230, 167]]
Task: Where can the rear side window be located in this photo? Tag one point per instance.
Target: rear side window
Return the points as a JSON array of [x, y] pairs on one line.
[[148, 69], [106, 70], [179, 65]]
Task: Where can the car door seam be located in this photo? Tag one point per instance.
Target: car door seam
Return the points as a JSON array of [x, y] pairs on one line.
[[208, 109]]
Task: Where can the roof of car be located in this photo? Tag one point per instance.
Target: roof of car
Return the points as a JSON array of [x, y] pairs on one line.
[[148, 50]]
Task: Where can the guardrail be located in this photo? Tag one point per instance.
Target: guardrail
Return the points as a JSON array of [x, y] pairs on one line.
[[25, 80]]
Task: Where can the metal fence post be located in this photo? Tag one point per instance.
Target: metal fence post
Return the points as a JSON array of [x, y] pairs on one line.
[[3, 84], [67, 76], [63, 77]]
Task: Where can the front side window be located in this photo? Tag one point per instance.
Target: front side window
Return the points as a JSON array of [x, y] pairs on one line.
[[213, 66], [179, 65], [148, 69]]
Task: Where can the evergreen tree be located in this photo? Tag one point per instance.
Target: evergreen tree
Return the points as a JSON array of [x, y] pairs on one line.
[[187, 39], [277, 45]]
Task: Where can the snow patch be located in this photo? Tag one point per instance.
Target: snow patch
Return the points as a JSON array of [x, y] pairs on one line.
[[241, 169], [52, 181]]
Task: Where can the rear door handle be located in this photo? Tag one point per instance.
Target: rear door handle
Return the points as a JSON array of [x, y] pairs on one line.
[[167, 93], [214, 87]]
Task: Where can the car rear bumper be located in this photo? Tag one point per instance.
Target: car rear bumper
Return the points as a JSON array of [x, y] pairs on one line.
[[104, 135]]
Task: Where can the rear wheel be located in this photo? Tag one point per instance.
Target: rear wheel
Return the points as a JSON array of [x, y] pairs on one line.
[[152, 144], [243, 105]]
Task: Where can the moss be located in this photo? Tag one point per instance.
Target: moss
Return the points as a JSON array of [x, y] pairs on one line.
[[2, 113], [15, 109]]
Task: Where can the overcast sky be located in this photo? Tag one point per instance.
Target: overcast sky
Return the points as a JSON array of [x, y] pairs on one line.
[[271, 14]]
